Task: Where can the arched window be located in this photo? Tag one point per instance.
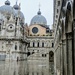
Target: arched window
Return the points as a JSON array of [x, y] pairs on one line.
[[15, 47], [33, 44], [38, 44], [52, 44], [51, 56], [42, 44]]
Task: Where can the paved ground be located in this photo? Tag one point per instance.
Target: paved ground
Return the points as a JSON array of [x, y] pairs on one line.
[[29, 67]]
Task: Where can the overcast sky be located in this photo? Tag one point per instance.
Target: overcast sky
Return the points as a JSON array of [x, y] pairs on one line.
[[30, 9]]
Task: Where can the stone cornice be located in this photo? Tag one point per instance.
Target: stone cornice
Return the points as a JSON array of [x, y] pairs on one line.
[[40, 37]]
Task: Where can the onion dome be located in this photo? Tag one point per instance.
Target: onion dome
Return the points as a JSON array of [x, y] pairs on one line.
[[16, 7], [38, 19], [18, 12], [6, 9], [7, 2], [39, 12]]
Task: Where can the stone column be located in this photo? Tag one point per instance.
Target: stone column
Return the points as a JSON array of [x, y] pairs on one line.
[[69, 54], [73, 47], [55, 62], [64, 57], [61, 59], [26, 50]]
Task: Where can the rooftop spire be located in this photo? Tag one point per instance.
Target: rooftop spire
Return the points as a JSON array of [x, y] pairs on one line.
[[16, 6], [20, 5], [16, 2], [39, 12], [39, 6]]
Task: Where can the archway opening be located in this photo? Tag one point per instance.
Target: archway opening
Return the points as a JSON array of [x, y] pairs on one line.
[[28, 54], [51, 56]]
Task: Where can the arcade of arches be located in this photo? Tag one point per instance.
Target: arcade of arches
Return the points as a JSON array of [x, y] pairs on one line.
[[64, 44]]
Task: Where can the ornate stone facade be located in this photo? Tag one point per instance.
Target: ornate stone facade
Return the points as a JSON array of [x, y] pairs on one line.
[[19, 41], [40, 38], [12, 38], [64, 38]]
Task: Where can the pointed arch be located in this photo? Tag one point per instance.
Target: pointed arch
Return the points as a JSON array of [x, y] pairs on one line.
[[69, 18]]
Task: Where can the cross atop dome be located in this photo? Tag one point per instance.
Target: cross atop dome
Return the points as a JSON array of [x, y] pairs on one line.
[[38, 19], [39, 5], [39, 12]]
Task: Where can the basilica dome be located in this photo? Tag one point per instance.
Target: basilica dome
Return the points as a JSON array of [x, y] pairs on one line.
[[38, 19], [16, 7], [17, 11], [20, 14], [6, 9]]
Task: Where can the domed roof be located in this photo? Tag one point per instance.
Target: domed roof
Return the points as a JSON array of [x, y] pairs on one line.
[[6, 8], [7, 2], [20, 14], [17, 11], [16, 7], [38, 19]]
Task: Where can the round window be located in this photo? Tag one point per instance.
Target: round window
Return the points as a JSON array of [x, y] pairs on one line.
[[35, 30]]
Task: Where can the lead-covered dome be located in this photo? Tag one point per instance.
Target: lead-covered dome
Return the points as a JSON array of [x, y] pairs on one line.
[[16, 7], [7, 9], [38, 19], [17, 11], [7, 2], [19, 14]]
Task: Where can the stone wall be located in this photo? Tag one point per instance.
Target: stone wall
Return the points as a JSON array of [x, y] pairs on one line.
[[64, 40]]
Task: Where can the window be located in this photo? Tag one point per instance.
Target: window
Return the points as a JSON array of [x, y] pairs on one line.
[[51, 56], [58, 3], [10, 27], [0, 26], [56, 16], [34, 30], [42, 44], [57, 10], [38, 44], [52, 44], [47, 30], [33, 44], [15, 47], [45, 55], [42, 55]]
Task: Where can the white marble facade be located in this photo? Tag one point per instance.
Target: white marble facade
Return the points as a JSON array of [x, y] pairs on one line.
[[41, 51], [13, 40], [12, 43]]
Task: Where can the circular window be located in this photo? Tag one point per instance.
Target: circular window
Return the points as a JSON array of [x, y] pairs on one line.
[[35, 30]]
